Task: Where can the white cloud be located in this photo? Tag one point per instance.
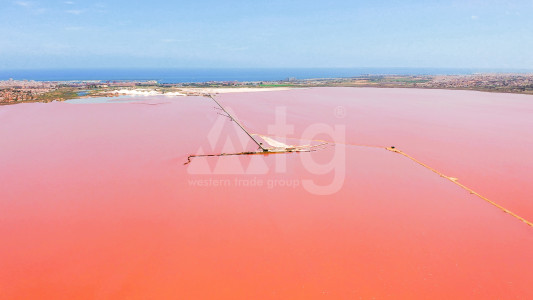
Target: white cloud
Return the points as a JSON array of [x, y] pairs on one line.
[[23, 3], [31, 7], [69, 2], [474, 17]]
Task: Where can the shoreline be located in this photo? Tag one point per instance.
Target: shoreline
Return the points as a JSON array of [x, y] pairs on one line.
[[13, 91], [189, 92]]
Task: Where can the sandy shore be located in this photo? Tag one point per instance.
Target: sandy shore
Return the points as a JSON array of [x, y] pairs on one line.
[[195, 91], [146, 92]]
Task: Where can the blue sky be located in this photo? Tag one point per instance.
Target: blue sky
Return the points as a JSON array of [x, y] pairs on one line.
[[205, 33]]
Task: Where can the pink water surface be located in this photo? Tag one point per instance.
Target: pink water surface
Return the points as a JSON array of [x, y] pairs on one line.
[[95, 201], [483, 139]]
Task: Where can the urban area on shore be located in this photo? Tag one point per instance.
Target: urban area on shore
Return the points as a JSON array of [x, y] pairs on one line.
[[17, 91]]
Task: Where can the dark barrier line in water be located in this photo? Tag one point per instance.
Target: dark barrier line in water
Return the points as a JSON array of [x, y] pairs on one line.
[[229, 154], [292, 150]]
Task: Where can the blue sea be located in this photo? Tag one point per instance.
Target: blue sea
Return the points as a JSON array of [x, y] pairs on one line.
[[228, 74]]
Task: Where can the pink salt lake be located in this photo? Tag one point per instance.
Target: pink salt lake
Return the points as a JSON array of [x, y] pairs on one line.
[[96, 202]]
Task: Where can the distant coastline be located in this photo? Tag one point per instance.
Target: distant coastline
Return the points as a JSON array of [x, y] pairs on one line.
[[198, 75], [19, 91]]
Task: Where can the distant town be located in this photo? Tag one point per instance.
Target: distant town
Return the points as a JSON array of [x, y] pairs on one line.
[[18, 91]]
